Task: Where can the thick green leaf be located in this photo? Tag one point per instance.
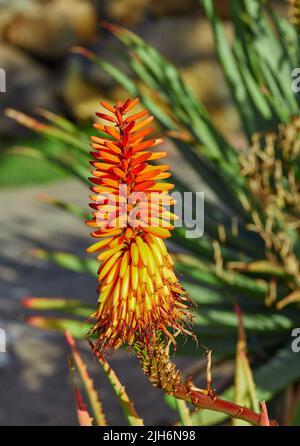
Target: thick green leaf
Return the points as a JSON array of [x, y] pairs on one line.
[[70, 306], [77, 329], [181, 408], [125, 402], [244, 387]]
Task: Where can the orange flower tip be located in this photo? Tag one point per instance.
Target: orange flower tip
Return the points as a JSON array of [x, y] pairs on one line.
[[158, 141], [161, 187], [28, 302], [112, 27], [82, 51], [129, 104], [159, 232], [108, 107], [45, 198], [91, 223], [36, 252], [97, 139], [144, 186], [137, 116], [157, 156], [98, 245], [95, 146], [105, 117], [98, 126], [36, 321]]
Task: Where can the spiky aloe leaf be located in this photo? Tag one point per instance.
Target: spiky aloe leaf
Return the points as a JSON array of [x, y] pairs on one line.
[[195, 269], [96, 405], [70, 306], [271, 322], [78, 141], [61, 122], [115, 73], [77, 329], [181, 408], [84, 418], [125, 402], [244, 386]]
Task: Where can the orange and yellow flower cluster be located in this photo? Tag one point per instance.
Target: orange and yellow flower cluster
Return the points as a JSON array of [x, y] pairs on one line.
[[139, 293]]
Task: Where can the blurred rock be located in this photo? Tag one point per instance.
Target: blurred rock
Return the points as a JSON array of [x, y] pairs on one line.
[[206, 80], [182, 39], [28, 86], [48, 29], [170, 7], [132, 12], [76, 92], [126, 12], [222, 7]]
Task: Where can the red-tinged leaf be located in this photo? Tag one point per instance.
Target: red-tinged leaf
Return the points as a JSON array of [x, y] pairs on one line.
[[99, 416], [82, 413]]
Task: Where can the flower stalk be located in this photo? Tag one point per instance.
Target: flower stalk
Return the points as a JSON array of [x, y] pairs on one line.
[[164, 374]]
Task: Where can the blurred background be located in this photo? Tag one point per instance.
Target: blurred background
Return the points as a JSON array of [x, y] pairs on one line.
[[36, 38]]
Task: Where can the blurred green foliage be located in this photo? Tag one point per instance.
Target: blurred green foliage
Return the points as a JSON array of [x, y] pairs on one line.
[[20, 170]]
